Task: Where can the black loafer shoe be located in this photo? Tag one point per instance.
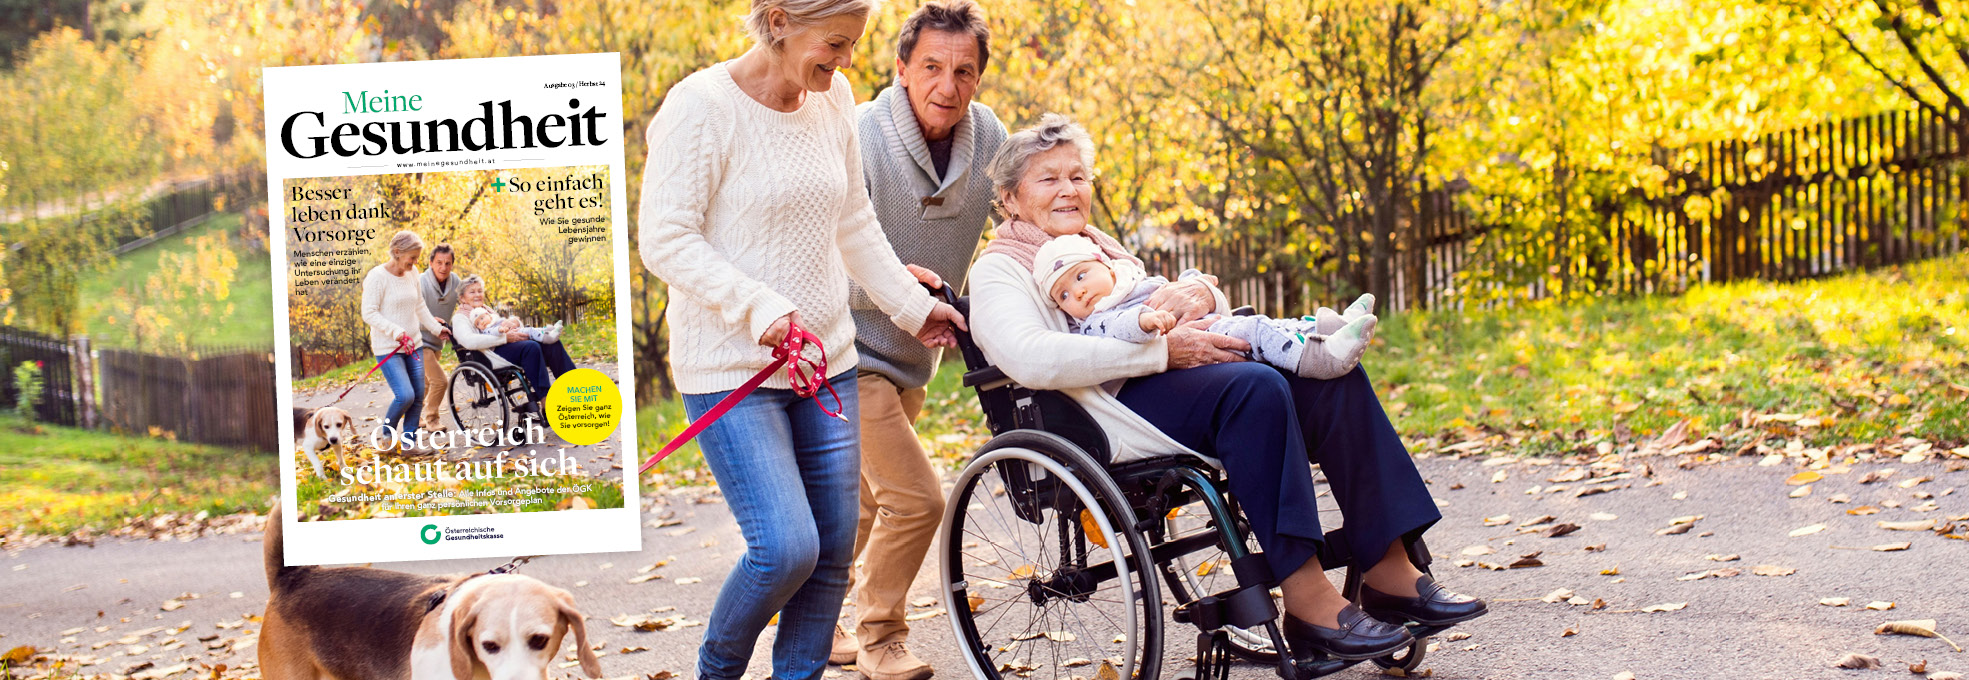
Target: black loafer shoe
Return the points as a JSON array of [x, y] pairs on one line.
[[1358, 637], [1434, 606]]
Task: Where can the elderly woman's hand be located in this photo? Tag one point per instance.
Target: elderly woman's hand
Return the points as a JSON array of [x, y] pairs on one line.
[[515, 335], [1191, 346], [1189, 299], [936, 330]]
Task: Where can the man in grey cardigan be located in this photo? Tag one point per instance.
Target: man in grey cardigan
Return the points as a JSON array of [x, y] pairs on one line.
[[924, 146], [440, 291]]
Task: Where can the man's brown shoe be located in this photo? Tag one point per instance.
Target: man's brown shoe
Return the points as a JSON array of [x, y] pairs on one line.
[[845, 648], [892, 662]]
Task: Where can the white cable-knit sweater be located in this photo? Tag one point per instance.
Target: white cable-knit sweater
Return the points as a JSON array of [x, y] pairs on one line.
[[750, 213], [394, 306]]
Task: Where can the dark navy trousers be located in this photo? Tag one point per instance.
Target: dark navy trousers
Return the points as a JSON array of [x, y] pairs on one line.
[[1268, 428], [542, 363]]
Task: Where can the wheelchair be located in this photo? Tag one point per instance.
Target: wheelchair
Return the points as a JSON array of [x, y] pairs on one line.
[[1053, 559], [483, 396]]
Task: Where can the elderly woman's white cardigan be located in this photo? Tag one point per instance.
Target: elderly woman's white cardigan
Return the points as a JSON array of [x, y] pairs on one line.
[[1029, 341], [469, 337]]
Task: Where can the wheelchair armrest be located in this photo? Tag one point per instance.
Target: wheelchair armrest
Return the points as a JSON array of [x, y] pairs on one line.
[[986, 378], [1246, 310]]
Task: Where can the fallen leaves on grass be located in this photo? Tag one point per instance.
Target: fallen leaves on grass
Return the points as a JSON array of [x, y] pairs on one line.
[[1918, 627]]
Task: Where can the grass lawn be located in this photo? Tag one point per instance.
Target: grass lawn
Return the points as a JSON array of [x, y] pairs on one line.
[[55, 479], [1852, 359], [251, 294]]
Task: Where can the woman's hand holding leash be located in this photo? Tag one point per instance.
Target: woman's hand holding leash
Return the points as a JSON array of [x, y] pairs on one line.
[[776, 333]]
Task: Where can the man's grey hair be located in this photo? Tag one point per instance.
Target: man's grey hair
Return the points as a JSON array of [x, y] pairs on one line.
[[951, 16], [1017, 151], [799, 13]]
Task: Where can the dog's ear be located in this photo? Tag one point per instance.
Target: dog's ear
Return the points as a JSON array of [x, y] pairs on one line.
[[573, 619], [463, 619], [314, 422]]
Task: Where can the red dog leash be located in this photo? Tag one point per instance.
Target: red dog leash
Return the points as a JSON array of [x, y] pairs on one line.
[[403, 346], [787, 354]]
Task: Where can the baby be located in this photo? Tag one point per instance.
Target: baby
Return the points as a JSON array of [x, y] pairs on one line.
[[1109, 298], [471, 301]]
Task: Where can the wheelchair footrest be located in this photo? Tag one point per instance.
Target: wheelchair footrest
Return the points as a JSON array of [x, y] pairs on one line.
[[1247, 607]]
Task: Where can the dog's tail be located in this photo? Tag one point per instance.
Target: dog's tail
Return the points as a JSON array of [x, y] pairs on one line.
[[275, 556]]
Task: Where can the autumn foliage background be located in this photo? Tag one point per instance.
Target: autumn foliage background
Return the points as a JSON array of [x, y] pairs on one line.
[[1312, 129]]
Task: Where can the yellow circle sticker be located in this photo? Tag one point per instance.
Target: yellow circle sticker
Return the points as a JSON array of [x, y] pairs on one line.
[[584, 406]]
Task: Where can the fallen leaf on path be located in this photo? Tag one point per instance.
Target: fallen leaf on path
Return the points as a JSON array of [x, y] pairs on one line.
[[1624, 675], [1561, 530], [1944, 675], [1805, 477], [1603, 517], [1664, 607], [1919, 627], [1478, 550], [1530, 560], [1879, 606], [932, 613], [1557, 596], [1864, 510], [687, 580], [1541, 519], [1912, 482], [1499, 520], [1807, 531], [1772, 570], [18, 655], [1712, 573], [1732, 557], [1914, 525], [1802, 491], [1893, 547], [1839, 498], [1675, 530], [1836, 601], [1857, 661], [1611, 571], [1568, 633]]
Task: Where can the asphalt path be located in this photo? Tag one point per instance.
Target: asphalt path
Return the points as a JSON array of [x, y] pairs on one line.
[[129, 598]]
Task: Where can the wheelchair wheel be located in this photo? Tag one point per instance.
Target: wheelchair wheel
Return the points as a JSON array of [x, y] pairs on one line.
[[478, 400], [1408, 659], [1044, 573]]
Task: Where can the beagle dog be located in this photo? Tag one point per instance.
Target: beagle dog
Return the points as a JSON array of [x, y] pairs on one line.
[[323, 429], [354, 623]]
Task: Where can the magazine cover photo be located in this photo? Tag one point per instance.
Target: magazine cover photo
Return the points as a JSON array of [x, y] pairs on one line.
[[513, 332]]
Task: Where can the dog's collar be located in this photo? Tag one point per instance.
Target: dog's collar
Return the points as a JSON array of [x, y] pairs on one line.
[[437, 599]]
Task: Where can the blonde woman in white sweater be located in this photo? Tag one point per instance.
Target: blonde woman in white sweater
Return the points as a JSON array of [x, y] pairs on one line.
[[393, 307], [756, 215]]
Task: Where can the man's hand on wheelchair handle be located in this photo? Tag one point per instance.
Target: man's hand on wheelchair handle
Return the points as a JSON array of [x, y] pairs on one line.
[[924, 275], [1191, 346], [1189, 299]]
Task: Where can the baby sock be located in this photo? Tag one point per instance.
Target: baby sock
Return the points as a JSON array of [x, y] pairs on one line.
[[1339, 352], [1330, 321]]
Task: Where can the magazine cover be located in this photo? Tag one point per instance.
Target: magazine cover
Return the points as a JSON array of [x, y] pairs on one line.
[[448, 242]]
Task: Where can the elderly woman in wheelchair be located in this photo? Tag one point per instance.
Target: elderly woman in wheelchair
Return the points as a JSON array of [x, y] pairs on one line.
[[1116, 462]]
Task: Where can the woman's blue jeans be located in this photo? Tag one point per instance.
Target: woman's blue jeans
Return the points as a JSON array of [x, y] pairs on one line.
[[792, 477], [406, 380]]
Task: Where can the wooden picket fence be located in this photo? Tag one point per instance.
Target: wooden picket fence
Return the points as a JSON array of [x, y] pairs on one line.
[[223, 396]]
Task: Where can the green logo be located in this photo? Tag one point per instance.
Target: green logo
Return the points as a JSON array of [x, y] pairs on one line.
[[499, 185], [430, 534]]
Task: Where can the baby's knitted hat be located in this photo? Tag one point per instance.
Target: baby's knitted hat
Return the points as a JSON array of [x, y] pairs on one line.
[[1058, 256]]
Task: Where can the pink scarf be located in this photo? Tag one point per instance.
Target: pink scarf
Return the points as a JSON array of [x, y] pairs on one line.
[[1021, 240]]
